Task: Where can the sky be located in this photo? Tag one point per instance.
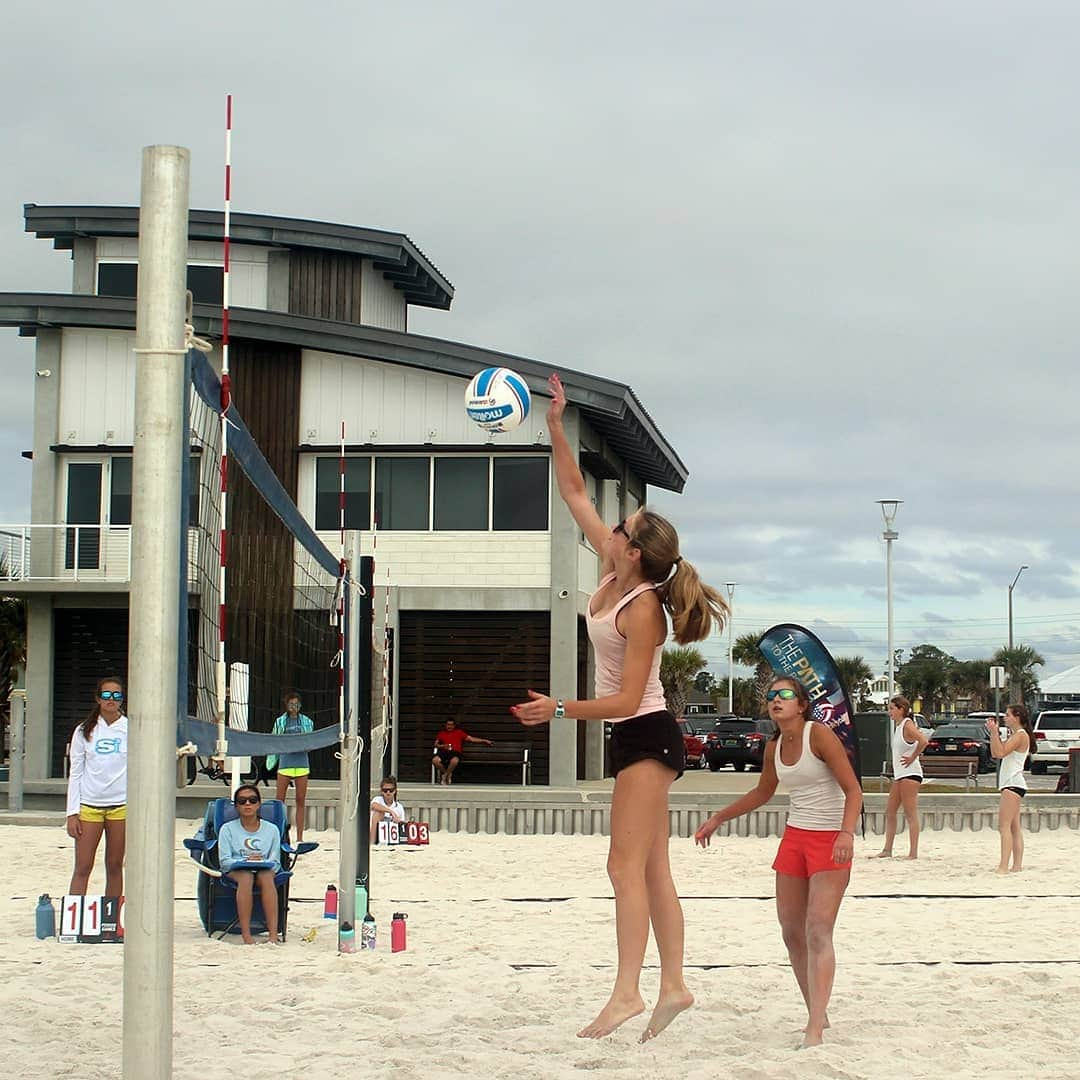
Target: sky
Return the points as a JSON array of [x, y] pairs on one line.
[[831, 247]]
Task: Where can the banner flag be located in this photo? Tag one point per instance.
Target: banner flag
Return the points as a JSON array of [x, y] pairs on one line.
[[793, 651]]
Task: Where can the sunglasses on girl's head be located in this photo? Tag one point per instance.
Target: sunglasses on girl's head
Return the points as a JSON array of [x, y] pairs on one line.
[[784, 694], [111, 695], [247, 800]]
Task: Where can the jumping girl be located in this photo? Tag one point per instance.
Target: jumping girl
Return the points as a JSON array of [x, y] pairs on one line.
[[642, 576], [97, 789], [813, 865], [1013, 754]]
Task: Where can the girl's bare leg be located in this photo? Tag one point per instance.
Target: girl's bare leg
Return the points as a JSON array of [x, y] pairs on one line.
[[1008, 811], [891, 808], [1017, 839], [909, 797], [826, 891], [115, 845], [301, 806], [86, 847], [791, 900]]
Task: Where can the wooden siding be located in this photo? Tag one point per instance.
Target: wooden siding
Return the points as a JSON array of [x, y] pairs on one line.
[[470, 666], [324, 285]]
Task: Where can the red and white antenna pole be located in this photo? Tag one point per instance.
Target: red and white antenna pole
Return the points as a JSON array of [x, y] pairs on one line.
[[226, 402], [341, 587]]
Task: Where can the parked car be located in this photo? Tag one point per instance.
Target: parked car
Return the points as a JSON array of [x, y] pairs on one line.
[[738, 741], [1057, 731], [693, 735], [963, 739]]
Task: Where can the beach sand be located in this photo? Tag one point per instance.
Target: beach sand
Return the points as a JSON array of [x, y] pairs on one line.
[[945, 969]]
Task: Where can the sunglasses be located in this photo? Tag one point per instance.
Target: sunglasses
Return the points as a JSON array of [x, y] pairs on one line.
[[621, 529], [248, 800], [388, 790], [111, 695], [786, 694]]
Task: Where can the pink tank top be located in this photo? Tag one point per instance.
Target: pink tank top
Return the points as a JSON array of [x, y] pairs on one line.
[[609, 647]]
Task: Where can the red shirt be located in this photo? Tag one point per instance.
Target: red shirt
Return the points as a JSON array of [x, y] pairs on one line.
[[451, 740]]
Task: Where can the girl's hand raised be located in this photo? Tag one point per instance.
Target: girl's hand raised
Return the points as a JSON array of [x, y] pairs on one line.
[[537, 711], [558, 400]]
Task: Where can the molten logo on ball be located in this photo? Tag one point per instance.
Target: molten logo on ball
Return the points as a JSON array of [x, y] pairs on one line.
[[497, 399]]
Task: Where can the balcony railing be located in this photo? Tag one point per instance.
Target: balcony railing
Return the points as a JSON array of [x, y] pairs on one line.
[[91, 553]]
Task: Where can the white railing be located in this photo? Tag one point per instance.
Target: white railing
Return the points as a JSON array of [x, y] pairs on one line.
[[91, 553]]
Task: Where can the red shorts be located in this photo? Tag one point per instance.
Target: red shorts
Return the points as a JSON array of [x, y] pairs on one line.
[[805, 852]]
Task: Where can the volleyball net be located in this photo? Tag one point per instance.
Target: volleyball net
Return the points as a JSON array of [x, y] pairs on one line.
[[268, 602]]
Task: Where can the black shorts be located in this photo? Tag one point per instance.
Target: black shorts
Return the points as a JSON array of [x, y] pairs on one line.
[[1019, 790], [917, 779], [654, 736], [445, 756]]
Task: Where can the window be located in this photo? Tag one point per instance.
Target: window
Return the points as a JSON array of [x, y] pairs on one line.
[[461, 493], [120, 490], [121, 279], [401, 492], [519, 494], [357, 493]]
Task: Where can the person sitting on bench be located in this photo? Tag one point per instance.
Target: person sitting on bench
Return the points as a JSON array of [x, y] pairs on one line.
[[249, 851], [448, 744]]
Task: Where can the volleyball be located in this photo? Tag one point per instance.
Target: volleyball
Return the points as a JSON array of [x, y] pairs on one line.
[[497, 399]]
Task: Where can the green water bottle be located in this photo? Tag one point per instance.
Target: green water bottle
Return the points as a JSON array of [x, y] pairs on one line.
[[361, 899]]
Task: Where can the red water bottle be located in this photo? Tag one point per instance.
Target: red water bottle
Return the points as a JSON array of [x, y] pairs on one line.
[[329, 909], [397, 932]]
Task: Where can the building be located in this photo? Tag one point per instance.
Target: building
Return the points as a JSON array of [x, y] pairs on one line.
[[487, 573]]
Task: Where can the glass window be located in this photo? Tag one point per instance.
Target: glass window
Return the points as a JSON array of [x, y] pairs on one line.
[[357, 493], [121, 279], [461, 493], [519, 494], [120, 492], [401, 492]]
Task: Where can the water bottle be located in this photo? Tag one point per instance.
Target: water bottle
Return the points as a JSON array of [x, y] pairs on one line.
[[347, 938], [329, 908], [367, 933], [361, 898], [397, 932], [45, 918]]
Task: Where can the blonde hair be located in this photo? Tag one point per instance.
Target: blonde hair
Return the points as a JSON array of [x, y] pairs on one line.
[[692, 605]]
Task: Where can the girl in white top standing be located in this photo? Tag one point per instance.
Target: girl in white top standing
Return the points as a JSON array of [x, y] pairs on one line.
[[908, 743], [1013, 754], [813, 864], [385, 807], [643, 578], [97, 789]]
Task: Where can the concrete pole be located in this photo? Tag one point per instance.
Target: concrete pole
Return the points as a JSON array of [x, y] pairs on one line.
[[888, 600], [155, 599], [349, 805], [731, 647], [17, 727]]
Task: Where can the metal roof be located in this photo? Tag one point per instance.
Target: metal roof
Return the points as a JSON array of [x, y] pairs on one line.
[[394, 255], [611, 408]]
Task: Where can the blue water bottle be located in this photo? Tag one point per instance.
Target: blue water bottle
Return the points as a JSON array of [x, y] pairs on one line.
[[45, 918]]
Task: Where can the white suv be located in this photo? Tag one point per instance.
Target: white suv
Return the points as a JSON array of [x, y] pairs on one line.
[[1057, 731]]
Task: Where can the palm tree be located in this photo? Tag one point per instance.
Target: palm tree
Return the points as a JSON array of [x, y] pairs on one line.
[[1020, 663], [970, 680], [746, 653], [678, 668], [925, 675], [855, 674]]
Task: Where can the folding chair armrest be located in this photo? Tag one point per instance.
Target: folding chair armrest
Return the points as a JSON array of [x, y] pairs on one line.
[[195, 845]]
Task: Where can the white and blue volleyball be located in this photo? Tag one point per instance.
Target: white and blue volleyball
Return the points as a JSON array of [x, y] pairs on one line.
[[497, 399]]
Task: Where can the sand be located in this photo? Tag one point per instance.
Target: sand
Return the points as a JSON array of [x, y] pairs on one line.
[[944, 969]]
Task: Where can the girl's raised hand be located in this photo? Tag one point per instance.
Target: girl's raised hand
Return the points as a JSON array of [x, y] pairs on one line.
[[558, 400]]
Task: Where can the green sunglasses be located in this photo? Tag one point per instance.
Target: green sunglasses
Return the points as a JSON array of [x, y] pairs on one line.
[[784, 694]]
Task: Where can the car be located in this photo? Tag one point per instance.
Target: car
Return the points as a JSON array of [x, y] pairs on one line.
[[738, 741], [958, 738], [694, 743], [1057, 731]]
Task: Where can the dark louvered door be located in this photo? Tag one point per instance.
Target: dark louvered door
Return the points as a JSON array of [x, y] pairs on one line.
[[470, 666]]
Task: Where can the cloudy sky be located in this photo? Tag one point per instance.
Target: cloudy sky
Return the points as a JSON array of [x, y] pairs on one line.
[[831, 247]]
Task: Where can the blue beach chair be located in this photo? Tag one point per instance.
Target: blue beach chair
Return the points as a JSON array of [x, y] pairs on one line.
[[216, 893]]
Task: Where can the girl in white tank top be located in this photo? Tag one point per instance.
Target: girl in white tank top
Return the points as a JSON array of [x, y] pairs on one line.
[[814, 861], [1013, 754], [907, 777]]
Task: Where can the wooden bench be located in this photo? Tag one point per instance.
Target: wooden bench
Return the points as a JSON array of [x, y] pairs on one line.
[[515, 754], [942, 767]]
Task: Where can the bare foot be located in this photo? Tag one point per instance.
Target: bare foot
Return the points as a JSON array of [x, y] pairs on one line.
[[617, 1011], [909, 858], [248, 940], [667, 1008], [812, 1040], [881, 855], [827, 1026], [1001, 870], [1016, 870]]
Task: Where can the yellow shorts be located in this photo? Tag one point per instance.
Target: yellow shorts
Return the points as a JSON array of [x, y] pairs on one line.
[[294, 772], [102, 813]]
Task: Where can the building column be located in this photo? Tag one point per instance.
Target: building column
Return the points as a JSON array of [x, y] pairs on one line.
[[44, 505], [39, 686], [562, 760]]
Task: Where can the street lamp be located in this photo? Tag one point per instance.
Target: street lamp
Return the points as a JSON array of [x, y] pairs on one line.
[[888, 512], [1013, 691], [731, 646]]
